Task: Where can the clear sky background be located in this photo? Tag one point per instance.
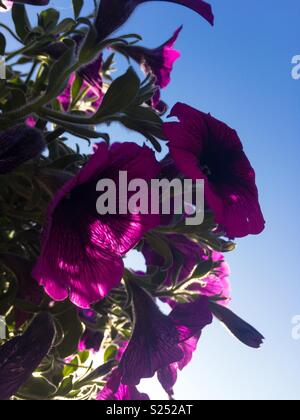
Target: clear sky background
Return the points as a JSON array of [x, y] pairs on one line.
[[240, 71]]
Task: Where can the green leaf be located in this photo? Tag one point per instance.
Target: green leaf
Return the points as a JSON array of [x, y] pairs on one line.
[[155, 143], [88, 51], [37, 388], [17, 99], [21, 20], [162, 248], [65, 387], [65, 25], [203, 269], [65, 161], [146, 128], [110, 353], [76, 87], [79, 130], [71, 367], [83, 356], [2, 44], [120, 95], [48, 19], [216, 243], [144, 113], [99, 372], [58, 77], [72, 332], [7, 298], [108, 63], [77, 7], [25, 306]]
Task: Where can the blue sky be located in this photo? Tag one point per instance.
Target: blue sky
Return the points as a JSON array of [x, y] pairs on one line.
[[240, 71]]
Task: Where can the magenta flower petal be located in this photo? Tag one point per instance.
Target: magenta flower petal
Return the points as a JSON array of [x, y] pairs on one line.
[[205, 148], [82, 252], [189, 347], [199, 6], [65, 98], [238, 327], [217, 283], [91, 74], [92, 85], [73, 263], [168, 378], [157, 61], [21, 356], [190, 320], [31, 122], [113, 14], [113, 390]]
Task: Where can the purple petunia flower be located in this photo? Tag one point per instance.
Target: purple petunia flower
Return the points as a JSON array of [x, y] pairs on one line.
[[157, 61], [158, 341], [154, 342], [18, 145], [113, 14], [92, 85], [21, 356], [205, 148], [91, 74], [82, 251]]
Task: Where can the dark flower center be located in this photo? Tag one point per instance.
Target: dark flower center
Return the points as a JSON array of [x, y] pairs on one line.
[[216, 166], [205, 169]]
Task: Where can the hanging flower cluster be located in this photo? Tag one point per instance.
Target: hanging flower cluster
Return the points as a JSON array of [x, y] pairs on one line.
[[79, 323]]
